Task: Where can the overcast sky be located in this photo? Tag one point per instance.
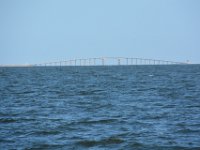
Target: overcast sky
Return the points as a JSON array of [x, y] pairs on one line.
[[34, 31]]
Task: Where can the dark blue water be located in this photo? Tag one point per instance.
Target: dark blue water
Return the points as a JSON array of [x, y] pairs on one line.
[[122, 107]]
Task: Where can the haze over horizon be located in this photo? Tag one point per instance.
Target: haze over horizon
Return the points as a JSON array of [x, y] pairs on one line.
[[38, 31]]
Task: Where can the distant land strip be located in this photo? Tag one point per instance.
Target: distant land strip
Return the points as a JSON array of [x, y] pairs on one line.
[[17, 65]]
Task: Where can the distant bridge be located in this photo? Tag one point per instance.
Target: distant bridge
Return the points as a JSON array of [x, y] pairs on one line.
[[109, 61]]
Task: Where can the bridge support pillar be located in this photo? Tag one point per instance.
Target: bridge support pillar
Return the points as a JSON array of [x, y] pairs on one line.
[[119, 61]]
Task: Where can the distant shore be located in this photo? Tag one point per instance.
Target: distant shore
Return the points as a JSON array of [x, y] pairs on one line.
[[16, 65]]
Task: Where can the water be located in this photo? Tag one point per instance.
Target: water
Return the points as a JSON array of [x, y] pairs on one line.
[[121, 107]]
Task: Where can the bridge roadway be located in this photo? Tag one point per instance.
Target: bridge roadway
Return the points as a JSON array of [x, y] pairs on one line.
[[105, 61]]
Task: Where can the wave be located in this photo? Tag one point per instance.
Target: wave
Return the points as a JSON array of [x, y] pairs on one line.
[[106, 141]]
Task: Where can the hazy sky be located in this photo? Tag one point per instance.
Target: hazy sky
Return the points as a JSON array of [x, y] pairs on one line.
[[34, 31]]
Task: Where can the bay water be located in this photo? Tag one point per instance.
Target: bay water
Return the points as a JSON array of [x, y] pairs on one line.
[[100, 107]]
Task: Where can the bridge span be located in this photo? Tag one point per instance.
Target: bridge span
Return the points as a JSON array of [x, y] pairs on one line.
[[110, 61]]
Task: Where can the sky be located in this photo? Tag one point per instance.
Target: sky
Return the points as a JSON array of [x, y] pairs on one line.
[[36, 31]]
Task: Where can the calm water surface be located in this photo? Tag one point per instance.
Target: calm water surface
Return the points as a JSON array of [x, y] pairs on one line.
[[121, 107]]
